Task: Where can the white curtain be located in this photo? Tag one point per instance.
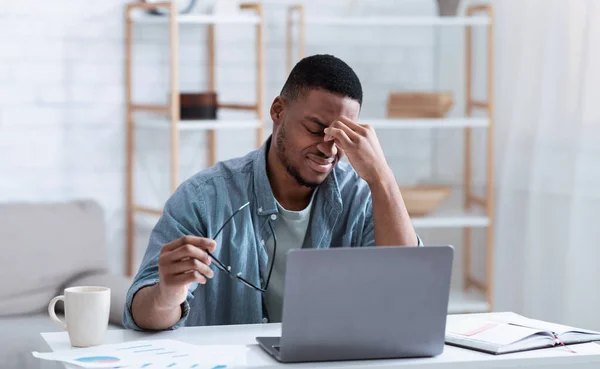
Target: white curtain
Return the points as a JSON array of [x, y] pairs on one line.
[[547, 262]]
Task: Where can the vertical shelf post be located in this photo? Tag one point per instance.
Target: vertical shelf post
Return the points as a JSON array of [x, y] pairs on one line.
[[129, 139], [260, 67], [490, 159], [174, 103], [211, 135], [467, 232], [470, 199], [260, 55], [289, 44]]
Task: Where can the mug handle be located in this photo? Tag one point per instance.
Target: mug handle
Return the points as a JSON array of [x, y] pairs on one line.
[[52, 313]]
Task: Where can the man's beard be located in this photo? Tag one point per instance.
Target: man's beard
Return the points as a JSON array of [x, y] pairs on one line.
[[293, 171]]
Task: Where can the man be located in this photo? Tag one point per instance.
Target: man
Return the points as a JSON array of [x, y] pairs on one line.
[[299, 195]]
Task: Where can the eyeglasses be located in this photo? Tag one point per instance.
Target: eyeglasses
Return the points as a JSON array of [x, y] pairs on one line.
[[238, 276]]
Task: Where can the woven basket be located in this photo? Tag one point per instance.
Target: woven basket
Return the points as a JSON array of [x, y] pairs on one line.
[[422, 200]]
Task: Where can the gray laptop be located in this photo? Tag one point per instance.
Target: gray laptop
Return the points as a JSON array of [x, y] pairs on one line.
[[363, 303]]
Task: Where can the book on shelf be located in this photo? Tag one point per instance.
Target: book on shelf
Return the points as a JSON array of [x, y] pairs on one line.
[[506, 332]]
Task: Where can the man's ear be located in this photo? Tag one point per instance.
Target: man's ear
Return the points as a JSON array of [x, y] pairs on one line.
[[276, 111]]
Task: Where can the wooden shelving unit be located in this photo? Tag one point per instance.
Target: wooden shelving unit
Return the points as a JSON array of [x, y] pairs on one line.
[[474, 211], [169, 119]]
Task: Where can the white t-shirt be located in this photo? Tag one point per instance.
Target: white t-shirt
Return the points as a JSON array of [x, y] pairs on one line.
[[291, 228]]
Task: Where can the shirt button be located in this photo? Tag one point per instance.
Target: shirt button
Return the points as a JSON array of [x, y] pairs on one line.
[[265, 320], [273, 217], [260, 210], [262, 242]]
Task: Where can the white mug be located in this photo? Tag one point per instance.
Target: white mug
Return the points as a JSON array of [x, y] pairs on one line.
[[86, 314]]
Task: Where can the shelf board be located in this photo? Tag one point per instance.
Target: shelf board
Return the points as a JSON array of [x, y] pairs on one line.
[[143, 18], [449, 220], [375, 123], [462, 302], [202, 125], [421, 123], [399, 21]]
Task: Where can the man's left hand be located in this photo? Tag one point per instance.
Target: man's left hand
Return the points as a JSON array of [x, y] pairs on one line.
[[362, 147]]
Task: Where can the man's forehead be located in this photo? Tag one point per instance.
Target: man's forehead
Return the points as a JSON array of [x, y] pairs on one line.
[[332, 105]]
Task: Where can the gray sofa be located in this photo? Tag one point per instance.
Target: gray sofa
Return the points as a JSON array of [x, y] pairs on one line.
[[46, 248]]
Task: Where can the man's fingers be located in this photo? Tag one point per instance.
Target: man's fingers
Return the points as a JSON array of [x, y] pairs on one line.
[[187, 251], [187, 278], [353, 125], [352, 135], [341, 138], [201, 242], [189, 265]]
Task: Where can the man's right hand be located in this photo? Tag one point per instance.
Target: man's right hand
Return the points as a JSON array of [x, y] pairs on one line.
[[181, 263]]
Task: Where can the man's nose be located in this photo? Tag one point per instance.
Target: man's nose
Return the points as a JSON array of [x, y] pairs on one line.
[[328, 148]]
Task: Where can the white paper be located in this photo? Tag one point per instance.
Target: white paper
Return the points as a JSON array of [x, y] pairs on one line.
[[585, 348], [151, 354]]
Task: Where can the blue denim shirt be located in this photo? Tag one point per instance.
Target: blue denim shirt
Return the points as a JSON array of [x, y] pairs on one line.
[[341, 217]]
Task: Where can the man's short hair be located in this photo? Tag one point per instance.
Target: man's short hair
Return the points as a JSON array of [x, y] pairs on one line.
[[322, 72]]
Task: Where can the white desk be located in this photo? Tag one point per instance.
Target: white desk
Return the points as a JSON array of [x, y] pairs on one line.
[[452, 358]]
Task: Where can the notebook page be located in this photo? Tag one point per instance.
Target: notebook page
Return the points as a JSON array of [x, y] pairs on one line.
[[539, 340], [577, 337], [497, 333], [539, 324]]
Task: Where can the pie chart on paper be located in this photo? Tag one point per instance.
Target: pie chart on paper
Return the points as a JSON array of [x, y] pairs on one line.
[[98, 359]]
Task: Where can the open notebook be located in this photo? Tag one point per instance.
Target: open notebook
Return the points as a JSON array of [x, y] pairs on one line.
[[501, 333]]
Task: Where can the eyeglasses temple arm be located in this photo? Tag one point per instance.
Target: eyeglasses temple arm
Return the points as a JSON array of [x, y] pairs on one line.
[[273, 261], [219, 231], [229, 219]]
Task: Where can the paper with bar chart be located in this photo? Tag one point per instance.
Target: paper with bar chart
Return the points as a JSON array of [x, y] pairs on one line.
[[151, 354]]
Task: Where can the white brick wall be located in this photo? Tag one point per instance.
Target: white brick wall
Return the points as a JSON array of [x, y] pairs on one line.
[[62, 97]]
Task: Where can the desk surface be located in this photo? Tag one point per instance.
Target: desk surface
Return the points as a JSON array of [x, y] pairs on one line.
[[588, 355]]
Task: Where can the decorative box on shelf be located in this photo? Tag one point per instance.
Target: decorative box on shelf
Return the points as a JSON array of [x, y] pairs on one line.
[[419, 104], [198, 105]]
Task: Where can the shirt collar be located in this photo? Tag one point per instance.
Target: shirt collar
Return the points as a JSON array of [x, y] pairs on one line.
[[264, 194], [262, 188]]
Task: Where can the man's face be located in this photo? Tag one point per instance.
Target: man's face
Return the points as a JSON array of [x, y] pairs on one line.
[[298, 133]]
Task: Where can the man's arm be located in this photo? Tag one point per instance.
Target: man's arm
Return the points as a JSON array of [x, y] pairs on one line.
[[181, 263], [175, 259], [392, 225], [149, 312]]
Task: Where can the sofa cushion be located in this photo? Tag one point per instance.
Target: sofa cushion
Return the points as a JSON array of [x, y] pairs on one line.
[[20, 335], [45, 245]]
